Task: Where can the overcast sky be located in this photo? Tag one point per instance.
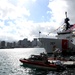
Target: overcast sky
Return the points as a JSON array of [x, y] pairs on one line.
[[21, 19]]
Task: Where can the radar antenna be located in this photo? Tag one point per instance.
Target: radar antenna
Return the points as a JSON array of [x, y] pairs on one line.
[[66, 21]]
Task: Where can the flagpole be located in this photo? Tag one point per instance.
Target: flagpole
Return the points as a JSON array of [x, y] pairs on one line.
[[39, 34]]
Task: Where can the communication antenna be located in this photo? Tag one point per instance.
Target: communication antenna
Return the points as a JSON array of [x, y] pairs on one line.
[[66, 14]]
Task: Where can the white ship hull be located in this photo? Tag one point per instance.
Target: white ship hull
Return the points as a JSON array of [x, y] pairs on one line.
[[62, 44]]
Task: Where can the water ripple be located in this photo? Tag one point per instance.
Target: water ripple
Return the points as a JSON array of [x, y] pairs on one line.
[[10, 65]]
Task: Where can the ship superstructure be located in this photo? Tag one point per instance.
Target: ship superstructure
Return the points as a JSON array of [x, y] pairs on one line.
[[65, 40]]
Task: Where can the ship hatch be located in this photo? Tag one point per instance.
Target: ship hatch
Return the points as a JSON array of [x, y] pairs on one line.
[[64, 44]]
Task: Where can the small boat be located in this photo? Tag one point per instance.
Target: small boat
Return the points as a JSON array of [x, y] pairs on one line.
[[41, 61]]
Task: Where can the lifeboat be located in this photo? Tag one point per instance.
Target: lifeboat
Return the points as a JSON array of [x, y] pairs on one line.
[[41, 61]]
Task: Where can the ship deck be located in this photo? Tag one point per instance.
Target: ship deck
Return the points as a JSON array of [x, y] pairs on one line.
[[68, 64]]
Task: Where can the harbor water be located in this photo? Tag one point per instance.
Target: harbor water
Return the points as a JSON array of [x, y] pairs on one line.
[[10, 64]]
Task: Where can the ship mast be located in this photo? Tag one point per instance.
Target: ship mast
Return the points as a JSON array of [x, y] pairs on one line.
[[66, 22], [66, 14]]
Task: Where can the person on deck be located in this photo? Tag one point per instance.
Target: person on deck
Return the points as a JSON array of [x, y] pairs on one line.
[[56, 51]]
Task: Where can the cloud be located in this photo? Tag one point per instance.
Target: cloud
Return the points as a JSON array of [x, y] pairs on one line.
[[8, 10], [71, 11], [12, 17], [58, 7], [34, 0], [57, 11], [15, 23]]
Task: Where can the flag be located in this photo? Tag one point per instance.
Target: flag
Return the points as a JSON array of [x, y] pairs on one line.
[[71, 28]]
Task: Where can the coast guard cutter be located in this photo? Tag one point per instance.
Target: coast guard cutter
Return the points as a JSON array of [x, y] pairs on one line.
[[65, 40]]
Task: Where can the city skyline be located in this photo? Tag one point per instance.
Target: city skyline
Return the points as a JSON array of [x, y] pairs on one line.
[[25, 43]]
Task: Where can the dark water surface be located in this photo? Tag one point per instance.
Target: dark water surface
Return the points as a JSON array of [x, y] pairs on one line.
[[10, 65]]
